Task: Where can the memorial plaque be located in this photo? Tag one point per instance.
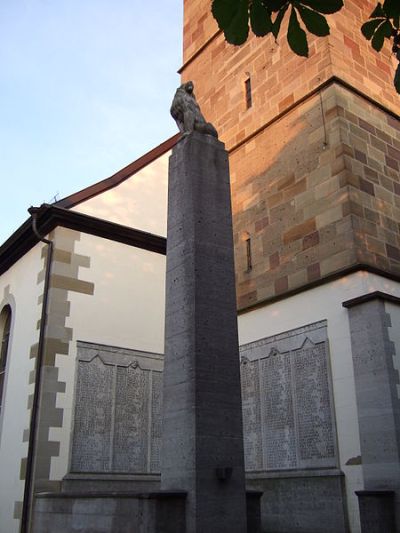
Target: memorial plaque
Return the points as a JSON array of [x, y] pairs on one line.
[[278, 420], [117, 410], [156, 426], [291, 394], [251, 415], [286, 399], [91, 444], [131, 420], [314, 417]]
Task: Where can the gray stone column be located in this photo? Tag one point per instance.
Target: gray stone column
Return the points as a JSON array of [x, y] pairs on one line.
[[202, 450], [378, 405]]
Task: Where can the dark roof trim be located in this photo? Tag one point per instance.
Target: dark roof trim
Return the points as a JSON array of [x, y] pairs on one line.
[[376, 295], [51, 216], [317, 283], [119, 177]]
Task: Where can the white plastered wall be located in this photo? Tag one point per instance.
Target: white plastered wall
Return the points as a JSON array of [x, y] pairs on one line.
[[21, 279], [126, 310], [325, 302], [139, 202]]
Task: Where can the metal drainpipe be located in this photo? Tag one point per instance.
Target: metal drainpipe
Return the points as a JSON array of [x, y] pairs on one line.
[[33, 429]]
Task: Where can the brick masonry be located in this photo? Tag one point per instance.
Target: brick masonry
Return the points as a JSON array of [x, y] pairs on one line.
[[314, 164]]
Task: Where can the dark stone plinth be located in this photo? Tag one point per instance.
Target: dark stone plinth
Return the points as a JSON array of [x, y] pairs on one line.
[[110, 512], [202, 447], [308, 501], [377, 511], [253, 506]]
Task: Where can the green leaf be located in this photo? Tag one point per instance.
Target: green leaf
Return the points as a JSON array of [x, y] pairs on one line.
[[274, 5], [392, 8], [314, 22], [233, 18], [384, 30], [278, 21], [260, 19], [296, 36], [397, 79], [378, 12], [223, 11], [327, 7], [238, 30], [369, 27]]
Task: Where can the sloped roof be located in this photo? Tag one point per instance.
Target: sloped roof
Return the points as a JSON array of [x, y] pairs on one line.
[[50, 216], [119, 177]]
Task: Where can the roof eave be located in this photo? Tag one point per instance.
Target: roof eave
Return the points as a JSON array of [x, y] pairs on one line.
[[49, 217]]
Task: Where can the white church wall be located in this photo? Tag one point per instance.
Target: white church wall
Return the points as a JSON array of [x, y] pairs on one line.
[[20, 289], [139, 202], [126, 310], [325, 302]]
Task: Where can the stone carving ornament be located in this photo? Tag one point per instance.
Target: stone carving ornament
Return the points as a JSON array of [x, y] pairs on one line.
[[187, 114]]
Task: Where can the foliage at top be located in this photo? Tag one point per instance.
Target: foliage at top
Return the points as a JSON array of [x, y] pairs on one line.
[[236, 17], [384, 23]]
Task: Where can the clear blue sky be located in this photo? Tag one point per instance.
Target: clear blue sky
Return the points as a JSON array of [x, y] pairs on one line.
[[85, 88]]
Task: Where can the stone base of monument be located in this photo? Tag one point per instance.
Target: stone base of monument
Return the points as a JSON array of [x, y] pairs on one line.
[[110, 512], [311, 501], [122, 512], [377, 510]]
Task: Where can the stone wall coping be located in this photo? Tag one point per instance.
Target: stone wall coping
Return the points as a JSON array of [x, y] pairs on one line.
[[331, 472], [157, 495], [254, 493], [101, 476], [378, 493], [371, 296]]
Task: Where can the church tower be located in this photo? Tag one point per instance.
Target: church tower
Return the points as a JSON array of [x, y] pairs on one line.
[[314, 150]]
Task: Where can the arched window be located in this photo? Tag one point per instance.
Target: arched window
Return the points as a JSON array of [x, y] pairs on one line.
[[5, 326]]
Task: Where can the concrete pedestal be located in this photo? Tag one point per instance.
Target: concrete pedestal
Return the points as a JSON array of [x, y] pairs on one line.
[[109, 512], [202, 450], [377, 512]]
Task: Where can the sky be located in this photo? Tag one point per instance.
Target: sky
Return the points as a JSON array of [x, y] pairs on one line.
[[85, 89]]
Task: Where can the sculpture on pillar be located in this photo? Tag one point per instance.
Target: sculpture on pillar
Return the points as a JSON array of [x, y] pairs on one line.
[[187, 114]]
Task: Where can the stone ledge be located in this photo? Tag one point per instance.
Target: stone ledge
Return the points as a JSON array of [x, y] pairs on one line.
[[377, 493], [118, 494], [332, 472], [104, 476], [371, 296]]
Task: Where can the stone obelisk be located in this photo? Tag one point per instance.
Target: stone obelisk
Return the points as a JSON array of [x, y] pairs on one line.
[[202, 447]]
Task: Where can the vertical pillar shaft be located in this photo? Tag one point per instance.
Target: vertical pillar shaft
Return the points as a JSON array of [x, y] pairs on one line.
[[202, 450], [376, 383]]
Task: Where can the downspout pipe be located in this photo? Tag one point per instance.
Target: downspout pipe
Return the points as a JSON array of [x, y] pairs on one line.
[[27, 507]]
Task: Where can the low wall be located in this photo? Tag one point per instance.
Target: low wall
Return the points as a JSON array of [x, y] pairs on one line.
[[122, 512], [112, 512], [308, 502]]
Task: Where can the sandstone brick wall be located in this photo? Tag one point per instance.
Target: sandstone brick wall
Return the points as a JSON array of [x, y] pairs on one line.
[[198, 26], [289, 197], [371, 149], [315, 196], [279, 78], [353, 58], [315, 172]]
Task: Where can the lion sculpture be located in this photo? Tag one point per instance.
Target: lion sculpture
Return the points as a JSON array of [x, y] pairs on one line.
[[186, 112]]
